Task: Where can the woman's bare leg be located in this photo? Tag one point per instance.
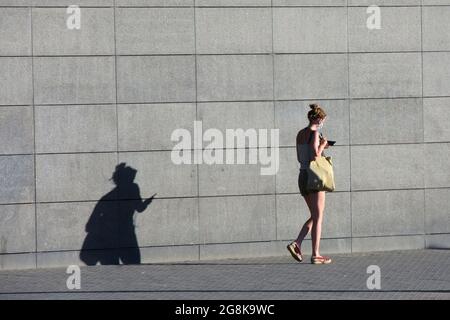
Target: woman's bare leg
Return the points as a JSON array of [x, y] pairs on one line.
[[317, 217], [308, 224], [304, 232]]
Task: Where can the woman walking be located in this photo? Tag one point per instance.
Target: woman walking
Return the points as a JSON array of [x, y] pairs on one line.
[[310, 144]]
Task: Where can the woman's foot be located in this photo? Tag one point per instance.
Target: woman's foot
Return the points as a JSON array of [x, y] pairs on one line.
[[320, 260], [294, 249]]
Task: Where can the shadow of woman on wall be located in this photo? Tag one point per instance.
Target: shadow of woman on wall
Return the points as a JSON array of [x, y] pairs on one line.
[[111, 236]]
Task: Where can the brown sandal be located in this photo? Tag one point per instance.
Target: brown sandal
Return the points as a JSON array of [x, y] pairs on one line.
[[295, 251], [320, 260]]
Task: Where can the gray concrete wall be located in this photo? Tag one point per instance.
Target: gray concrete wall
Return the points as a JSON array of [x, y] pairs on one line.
[[75, 103]]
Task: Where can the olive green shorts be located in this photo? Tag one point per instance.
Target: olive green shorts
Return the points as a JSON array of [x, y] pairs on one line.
[[302, 182]]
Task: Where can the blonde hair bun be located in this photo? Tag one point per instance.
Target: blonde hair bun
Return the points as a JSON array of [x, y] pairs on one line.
[[316, 112]]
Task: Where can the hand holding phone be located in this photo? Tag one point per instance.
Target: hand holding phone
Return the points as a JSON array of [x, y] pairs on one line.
[[329, 142]]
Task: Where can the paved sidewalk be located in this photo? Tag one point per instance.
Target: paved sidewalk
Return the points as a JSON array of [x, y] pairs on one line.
[[418, 274]]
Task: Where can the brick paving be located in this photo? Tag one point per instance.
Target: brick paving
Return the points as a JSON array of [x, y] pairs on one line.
[[415, 274]]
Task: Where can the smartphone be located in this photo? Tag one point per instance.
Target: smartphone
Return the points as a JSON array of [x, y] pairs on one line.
[[330, 142]]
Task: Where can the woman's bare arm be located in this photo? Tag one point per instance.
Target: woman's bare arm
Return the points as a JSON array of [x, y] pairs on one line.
[[317, 144]]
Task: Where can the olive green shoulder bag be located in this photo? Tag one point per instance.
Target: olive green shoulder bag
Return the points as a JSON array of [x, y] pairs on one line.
[[321, 174]]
